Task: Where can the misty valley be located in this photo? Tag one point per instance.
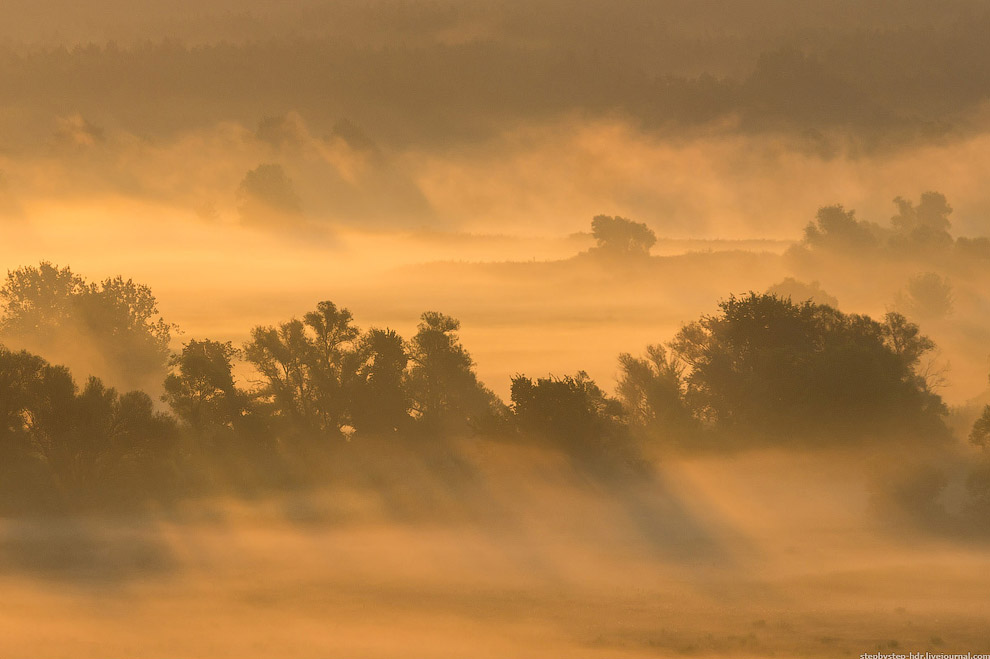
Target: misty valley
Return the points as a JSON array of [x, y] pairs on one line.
[[433, 329], [731, 493]]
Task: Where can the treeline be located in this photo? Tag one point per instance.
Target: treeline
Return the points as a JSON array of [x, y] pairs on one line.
[[915, 231], [885, 85], [762, 370]]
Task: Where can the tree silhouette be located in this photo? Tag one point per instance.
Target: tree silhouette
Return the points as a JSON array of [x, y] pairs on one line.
[[281, 355], [652, 391], [380, 402], [332, 362], [768, 367], [980, 434], [200, 390], [922, 229], [572, 411], [310, 368], [837, 229], [441, 382], [78, 448], [617, 236], [113, 324]]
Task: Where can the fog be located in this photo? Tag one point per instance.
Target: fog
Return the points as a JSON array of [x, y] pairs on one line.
[[717, 557], [480, 329]]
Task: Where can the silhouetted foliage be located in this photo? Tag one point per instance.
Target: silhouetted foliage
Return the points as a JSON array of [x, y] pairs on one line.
[[74, 448], [652, 391], [114, 324], [283, 356], [200, 390], [380, 402], [837, 229], [769, 367], [763, 368], [617, 236], [442, 385], [572, 411], [922, 227], [980, 434], [917, 232]]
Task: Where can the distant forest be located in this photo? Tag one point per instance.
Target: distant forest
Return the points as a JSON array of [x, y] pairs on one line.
[[885, 84]]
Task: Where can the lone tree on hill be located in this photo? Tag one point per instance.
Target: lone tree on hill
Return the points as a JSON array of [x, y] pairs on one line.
[[621, 237]]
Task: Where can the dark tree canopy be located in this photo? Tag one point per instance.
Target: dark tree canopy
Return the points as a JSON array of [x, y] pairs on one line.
[[441, 381], [380, 401], [200, 389], [71, 447], [572, 411], [618, 236], [770, 367]]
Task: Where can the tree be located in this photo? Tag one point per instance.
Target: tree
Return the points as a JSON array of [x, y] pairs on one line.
[[309, 367], [837, 229], [441, 382], [617, 236], [112, 327], [380, 402], [72, 447], [770, 368], [200, 389], [35, 300], [973, 249], [980, 434], [932, 213], [122, 318], [571, 411], [281, 356], [652, 391], [922, 227], [333, 361]]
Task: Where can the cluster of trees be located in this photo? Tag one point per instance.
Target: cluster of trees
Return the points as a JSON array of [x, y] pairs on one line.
[[323, 376], [920, 230], [761, 369], [797, 372], [60, 444], [112, 326]]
